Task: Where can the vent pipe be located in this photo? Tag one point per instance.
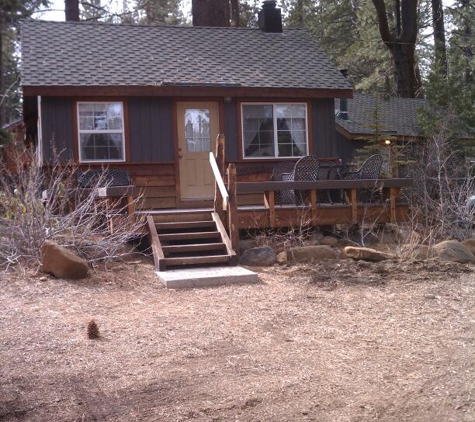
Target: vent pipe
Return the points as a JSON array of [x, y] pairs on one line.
[[343, 114]]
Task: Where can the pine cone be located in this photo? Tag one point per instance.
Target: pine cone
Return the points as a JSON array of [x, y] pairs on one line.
[[92, 330]]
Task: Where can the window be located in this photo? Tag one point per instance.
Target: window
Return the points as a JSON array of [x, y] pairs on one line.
[[101, 131], [274, 130], [197, 130]]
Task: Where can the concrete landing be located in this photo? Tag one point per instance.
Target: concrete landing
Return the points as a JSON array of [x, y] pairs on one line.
[[204, 277]]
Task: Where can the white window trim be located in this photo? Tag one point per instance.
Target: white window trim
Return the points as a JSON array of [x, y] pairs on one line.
[[81, 160], [276, 146]]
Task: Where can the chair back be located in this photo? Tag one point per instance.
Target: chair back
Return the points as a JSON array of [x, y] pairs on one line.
[[91, 178], [306, 168], [279, 169], [371, 168]]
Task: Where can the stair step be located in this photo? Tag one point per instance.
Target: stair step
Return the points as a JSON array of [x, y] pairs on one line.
[[197, 260], [188, 236], [185, 225], [194, 247]]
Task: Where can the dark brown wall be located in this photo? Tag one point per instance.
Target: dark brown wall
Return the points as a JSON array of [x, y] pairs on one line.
[[57, 127], [231, 130], [348, 147], [151, 129], [323, 123]]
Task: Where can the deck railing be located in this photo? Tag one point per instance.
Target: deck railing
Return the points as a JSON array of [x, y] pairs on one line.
[[225, 199], [390, 187]]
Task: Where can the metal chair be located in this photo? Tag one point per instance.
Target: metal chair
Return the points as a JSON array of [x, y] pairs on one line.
[[305, 169], [282, 196], [371, 169]]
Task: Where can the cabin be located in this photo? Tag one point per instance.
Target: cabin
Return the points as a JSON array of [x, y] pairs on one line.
[[395, 117], [152, 100]]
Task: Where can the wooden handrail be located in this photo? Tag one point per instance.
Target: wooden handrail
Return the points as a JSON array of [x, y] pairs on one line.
[[218, 178], [259, 187]]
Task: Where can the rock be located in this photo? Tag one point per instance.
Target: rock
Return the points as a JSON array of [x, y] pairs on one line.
[[470, 244], [420, 252], [259, 257], [454, 251], [329, 241], [282, 258], [246, 244], [316, 236], [366, 254], [61, 262], [311, 253]]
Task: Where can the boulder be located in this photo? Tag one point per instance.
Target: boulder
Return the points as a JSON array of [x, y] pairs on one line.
[[282, 258], [258, 257], [245, 244], [311, 253], [329, 241], [61, 262], [366, 254], [420, 252], [470, 244], [454, 251]]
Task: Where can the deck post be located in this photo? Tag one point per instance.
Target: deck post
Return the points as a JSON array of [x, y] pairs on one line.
[[232, 208], [313, 205], [220, 160], [392, 203], [354, 206]]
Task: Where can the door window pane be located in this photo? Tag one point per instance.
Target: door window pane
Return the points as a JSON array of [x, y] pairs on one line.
[[197, 130]]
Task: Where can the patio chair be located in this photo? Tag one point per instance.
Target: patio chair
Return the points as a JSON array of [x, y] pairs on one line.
[[305, 169], [371, 169], [282, 196]]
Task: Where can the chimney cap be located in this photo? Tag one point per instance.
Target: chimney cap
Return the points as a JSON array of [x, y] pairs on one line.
[[269, 4]]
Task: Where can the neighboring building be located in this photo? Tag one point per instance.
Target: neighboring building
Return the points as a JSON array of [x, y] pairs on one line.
[[356, 120], [151, 99]]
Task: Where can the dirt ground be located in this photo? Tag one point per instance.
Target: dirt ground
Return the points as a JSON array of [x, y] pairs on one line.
[[338, 341]]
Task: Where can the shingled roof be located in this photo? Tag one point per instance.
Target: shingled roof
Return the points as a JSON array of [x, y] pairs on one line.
[[98, 54], [397, 115]]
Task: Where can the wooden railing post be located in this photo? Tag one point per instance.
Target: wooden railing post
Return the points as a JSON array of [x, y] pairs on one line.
[[220, 160], [232, 208]]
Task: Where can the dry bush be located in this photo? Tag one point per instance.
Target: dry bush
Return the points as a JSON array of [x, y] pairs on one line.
[[39, 203], [442, 182]]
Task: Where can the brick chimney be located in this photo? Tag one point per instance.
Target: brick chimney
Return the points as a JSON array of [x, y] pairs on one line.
[[270, 17]]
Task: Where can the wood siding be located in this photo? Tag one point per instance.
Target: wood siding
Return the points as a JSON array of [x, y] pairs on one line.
[[151, 129], [348, 147], [57, 127]]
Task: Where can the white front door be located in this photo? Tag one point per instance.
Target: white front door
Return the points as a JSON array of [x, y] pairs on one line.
[[197, 131]]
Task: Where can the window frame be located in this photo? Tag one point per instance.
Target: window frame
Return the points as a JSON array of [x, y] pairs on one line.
[[275, 130], [113, 131]]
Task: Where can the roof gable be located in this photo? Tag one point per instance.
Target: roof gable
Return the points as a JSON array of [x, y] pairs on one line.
[[97, 54]]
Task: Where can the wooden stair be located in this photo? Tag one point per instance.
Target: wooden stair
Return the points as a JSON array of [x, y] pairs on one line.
[[190, 243]]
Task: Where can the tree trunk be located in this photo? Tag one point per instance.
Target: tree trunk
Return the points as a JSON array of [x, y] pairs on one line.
[[439, 37], [71, 10], [211, 12], [401, 41]]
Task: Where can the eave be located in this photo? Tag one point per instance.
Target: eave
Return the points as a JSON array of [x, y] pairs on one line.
[[184, 91]]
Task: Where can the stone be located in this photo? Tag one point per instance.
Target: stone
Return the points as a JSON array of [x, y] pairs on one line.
[[470, 244], [420, 252], [366, 254], [263, 256], [311, 253], [246, 244], [282, 258], [329, 241], [454, 251], [61, 262]]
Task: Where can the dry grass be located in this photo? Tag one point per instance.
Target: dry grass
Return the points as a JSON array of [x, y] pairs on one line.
[[339, 341]]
